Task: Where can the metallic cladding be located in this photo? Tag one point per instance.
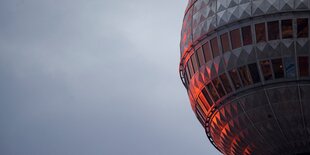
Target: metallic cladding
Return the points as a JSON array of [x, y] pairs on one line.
[[245, 65]]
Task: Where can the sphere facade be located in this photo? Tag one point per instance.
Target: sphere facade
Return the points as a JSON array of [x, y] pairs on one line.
[[245, 65]]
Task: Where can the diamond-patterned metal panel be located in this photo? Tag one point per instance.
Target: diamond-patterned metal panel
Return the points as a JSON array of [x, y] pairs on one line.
[[210, 14], [286, 5], [302, 46], [269, 117], [186, 33], [302, 4]]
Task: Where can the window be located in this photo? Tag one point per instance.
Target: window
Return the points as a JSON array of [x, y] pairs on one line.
[[235, 38], [254, 72], [266, 69], [190, 68], [212, 92], [201, 112], [218, 86], [201, 57], [303, 64], [302, 28], [185, 80], [206, 96], [207, 52], [215, 47], [260, 31], [290, 67], [235, 78], [200, 115], [202, 99], [273, 30], [226, 84], [277, 66], [195, 63], [188, 73], [245, 75], [246, 35], [202, 105], [287, 28], [225, 42]]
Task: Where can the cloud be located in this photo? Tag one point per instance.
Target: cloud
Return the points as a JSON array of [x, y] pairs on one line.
[[94, 77]]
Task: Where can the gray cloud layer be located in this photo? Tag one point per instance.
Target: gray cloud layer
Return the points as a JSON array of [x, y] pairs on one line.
[[94, 77]]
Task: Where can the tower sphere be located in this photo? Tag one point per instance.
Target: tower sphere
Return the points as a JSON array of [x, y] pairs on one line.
[[245, 65]]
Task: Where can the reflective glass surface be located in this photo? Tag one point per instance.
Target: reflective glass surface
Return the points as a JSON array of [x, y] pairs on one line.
[[188, 73], [254, 72], [225, 42], [290, 67], [202, 105], [260, 31], [207, 97], [194, 62], [207, 51], [200, 114], [235, 78], [218, 86], [273, 30], [225, 82], [213, 92], [246, 35], [235, 38], [287, 28], [277, 66], [215, 47], [185, 77], [190, 67], [201, 57], [302, 28], [303, 64], [245, 75], [266, 69]]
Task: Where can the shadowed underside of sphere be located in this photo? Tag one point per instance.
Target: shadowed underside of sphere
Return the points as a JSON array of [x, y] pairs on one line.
[[245, 65]]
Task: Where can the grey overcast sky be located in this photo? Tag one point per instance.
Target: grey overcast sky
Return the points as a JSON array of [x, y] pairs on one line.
[[94, 77]]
